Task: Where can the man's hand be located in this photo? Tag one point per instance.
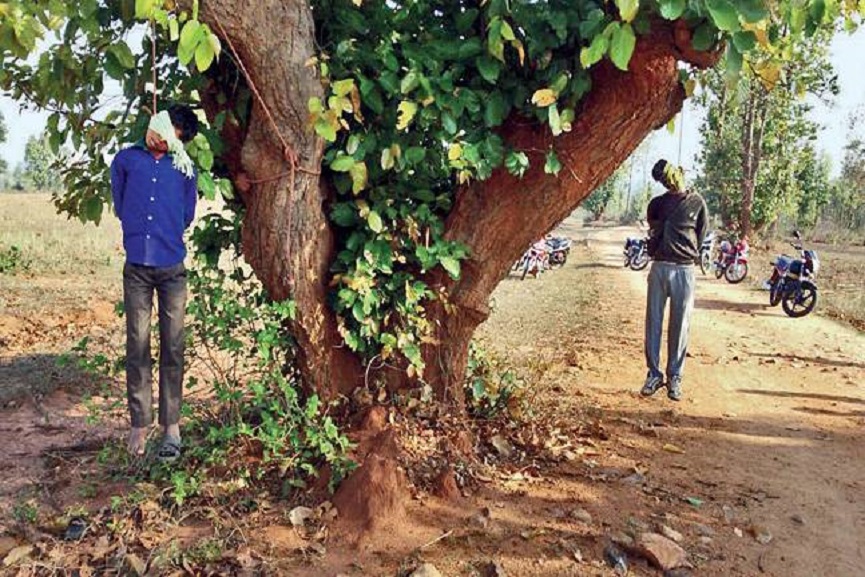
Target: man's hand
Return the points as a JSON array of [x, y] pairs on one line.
[[155, 142]]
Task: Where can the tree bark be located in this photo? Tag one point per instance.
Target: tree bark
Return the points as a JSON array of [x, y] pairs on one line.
[[286, 236]]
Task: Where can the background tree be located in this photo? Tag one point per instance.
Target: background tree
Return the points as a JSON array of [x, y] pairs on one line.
[[40, 170], [598, 201], [447, 137], [3, 166], [757, 158]]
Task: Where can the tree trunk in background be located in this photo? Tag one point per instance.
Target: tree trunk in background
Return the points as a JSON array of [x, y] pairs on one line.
[[286, 234]]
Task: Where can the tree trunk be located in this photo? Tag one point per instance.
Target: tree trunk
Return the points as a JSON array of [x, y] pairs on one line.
[[747, 184], [286, 235]]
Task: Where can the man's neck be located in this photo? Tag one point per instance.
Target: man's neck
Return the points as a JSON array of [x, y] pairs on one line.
[[157, 154]]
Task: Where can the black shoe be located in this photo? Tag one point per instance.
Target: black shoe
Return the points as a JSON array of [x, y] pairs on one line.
[[674, 389], [652, 385]]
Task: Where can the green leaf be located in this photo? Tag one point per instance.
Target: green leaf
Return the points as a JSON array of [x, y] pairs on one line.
[[489, 68], [204, 56], [751, 10], [554, 119], [628, 9], [123, 54], [744, 41], [552, 164], [359, 176], [704, 37], [724, 15], [173, 30], [144, 9], [495, 110], [622, 46], [325, 129], [817, 9], [465, 20], [449, 123], [672, 9], [206, 185], [451, 265], [733, 62], [343, 214], [205, 159], [415, 155], [409, 82], [517, 163], [374, 221], [92, 209], [595, 51], [342, 163], [508, 32], [190, 36]]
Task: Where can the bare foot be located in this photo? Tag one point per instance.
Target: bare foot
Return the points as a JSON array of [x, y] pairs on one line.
[[137, 440], [172, 431]]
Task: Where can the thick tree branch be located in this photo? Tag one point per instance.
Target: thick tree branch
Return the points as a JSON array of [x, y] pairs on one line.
[[500, 217]]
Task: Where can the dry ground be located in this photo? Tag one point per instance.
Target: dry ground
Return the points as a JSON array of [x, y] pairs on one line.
[[768, 440]]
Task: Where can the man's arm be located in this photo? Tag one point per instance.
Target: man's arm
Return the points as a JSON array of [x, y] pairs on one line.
[[190, 198], [118, 183], [652, 216], [702, 224]]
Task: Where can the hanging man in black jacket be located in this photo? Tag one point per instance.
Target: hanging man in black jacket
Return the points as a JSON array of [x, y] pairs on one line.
[[678, 221]]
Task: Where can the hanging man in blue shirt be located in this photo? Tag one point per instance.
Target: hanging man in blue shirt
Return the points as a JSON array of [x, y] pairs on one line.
[[154, 197]]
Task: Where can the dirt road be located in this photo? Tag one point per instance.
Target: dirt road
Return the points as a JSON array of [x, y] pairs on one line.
[[771, 425]]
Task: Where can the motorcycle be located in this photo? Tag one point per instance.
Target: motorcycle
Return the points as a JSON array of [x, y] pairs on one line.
[[707, 250], [535, 260], [636, 253], [792, 283], [732, 262], [558, 248]]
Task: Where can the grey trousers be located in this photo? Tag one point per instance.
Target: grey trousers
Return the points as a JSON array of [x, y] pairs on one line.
[[676, 283], [139, 282]]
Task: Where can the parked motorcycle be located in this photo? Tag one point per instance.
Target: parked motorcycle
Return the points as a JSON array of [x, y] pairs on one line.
[[792, 283], [732, 262], [636, 253], [535, 260], [558, 249], [707, 250]]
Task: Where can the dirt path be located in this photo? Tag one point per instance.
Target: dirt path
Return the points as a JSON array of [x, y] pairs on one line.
[[771, 424], [768, 441]]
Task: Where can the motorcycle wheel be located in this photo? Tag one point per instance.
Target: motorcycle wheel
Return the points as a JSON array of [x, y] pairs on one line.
[[719, 270], [526, 266], [640, 261], [775, 291], [705, 262], [736, 273], [798, 303], [627, 260]]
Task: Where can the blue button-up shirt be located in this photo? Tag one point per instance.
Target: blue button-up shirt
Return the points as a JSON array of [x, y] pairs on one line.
[[155, 203]]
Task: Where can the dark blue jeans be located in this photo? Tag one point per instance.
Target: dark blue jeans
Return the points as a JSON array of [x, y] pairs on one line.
[[139, 283]]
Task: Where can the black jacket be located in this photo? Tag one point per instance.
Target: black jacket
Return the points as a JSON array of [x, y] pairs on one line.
[[678, 222]]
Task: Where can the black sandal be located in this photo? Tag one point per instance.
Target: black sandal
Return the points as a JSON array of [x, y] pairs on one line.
[[169, 451]]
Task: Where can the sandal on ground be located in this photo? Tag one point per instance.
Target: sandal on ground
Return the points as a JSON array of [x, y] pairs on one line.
[[169, 451]]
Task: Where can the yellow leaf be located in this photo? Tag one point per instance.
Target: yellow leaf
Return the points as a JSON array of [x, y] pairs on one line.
[[543, 97], [406, 111], [357, 2], [520, 50], [363, 207], [670, 448], [690, 85], [769, 73], [455, 151]]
